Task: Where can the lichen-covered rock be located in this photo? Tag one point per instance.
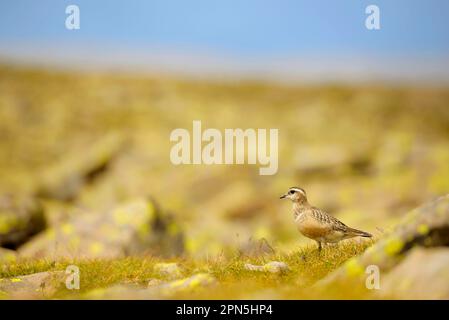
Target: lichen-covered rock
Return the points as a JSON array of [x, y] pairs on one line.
[[122, 292], [423, 274], [154, 282], [256, 248], [34, 286], [168, 270], [7, 256], [20, 218], [328, 159], [138, 227], [156, 290], [191, 283], [64, 180], [426, 226], [273, 267]]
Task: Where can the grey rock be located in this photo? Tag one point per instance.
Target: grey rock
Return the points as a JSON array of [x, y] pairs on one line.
[[137, 227], [40, 285], [21, 217], [168, 271], [159, 290], [273, 267], [7, 255], [64, 180], [256, 248], [199, 280], [425, 227], [330, 159], [423, 274], [154, 282]]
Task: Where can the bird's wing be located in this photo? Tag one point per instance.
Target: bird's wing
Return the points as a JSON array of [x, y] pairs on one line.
[[326, 218]]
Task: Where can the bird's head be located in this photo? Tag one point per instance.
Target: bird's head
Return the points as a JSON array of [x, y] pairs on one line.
[[295, 194]]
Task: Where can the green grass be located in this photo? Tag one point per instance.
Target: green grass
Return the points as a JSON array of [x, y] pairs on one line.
[[306, 265]]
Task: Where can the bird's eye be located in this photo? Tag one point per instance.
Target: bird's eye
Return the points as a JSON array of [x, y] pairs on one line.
[[291, 192]]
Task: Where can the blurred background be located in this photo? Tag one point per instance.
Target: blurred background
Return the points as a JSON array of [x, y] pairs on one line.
[[85, 119]]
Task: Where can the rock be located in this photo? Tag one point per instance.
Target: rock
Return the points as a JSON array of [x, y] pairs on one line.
[[330, 159], [20, 218], [423, 274], [7, 256], [121, 292], [64, 180], [426, 226], [154, 291], [273, 267], [194, 282], [154, 282], [138, 227], [34, 286], [256, 248], [168, 270]]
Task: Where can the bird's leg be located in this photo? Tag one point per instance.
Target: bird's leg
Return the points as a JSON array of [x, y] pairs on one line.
[[319, 246]]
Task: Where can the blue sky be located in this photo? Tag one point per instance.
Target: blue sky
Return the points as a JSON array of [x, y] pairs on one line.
[[241, 29]]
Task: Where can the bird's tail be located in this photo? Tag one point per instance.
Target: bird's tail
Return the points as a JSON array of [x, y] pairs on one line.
[[360, 233]]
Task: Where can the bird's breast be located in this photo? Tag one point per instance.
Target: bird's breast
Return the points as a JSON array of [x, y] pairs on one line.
[[311, 228]]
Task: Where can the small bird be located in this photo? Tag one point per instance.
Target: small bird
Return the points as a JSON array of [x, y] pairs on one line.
[[317, 224]]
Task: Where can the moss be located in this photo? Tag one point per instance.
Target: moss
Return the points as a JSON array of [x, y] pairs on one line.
[[443, 207], [96, 248], [8, 222], [67, 229], [74, 242], [354, 268], [8, 257], [393, 246], [423, 229], [173, 229]]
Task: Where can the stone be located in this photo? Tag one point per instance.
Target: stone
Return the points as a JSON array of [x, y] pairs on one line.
[[155, 290], [193, 282], [168, 271], [121, 292], [64, 180], [329, 159], [7, 256], [424, 227], [256, 248], [273, 267], [21, 217], [154, 282], [423, 274], [40, 285], [135, 228]]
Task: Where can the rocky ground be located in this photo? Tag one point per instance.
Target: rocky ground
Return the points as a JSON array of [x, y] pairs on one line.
[[85, 180]]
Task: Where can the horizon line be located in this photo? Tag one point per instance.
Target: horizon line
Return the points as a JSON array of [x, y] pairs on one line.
[[293, 68]]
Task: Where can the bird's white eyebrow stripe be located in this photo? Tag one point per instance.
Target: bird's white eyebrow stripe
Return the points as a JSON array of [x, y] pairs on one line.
[[299, 190]]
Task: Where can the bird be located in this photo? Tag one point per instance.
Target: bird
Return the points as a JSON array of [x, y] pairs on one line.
[[317, 224]]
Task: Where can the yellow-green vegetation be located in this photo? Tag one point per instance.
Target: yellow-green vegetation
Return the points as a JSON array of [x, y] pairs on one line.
[[84, 144], [306, 266]]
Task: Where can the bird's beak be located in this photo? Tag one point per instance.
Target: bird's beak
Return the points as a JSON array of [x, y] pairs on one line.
[[283, 196]]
